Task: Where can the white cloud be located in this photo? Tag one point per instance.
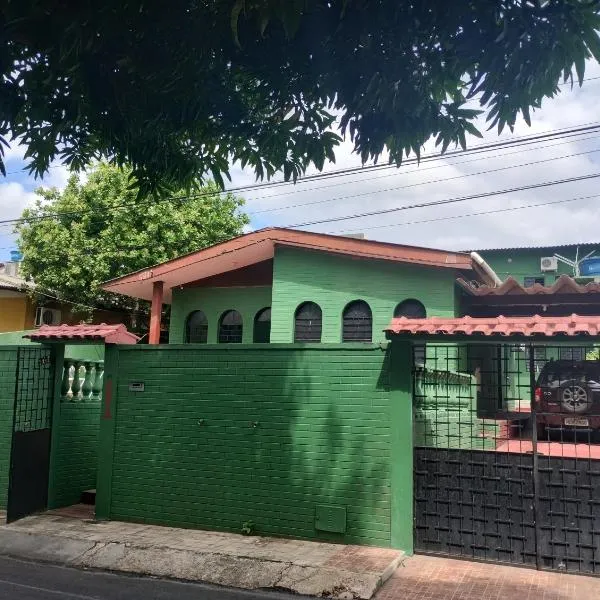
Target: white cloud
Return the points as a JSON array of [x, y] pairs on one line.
[[14, 152], [13, 199], [57, 176]]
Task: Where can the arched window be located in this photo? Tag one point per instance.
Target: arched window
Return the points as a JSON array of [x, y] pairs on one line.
[[357, 322], [308, 323], [230, 327], [262, 326], [411, 309], [196, 328]]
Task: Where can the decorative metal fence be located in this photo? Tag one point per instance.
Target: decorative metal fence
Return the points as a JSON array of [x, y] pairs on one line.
[[507, 454]]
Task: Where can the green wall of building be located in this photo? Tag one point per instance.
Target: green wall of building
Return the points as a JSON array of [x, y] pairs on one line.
[[8, 368], [223, 436], [214, 301], [334, 281]]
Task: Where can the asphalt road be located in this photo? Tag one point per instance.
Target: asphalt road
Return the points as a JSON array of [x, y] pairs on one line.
[[20, 580]]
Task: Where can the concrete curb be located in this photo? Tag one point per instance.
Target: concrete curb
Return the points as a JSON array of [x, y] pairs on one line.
[[219, 569], [45, 548]]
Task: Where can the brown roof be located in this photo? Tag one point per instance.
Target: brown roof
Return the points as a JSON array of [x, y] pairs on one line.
[[511, 287], [259, 245], [12, 282], [498, 326], [110, 334]]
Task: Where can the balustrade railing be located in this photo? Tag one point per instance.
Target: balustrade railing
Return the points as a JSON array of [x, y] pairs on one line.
[[82, 380], [445, 409]]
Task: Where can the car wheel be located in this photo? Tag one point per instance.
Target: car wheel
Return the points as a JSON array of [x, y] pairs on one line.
[[575, 397]]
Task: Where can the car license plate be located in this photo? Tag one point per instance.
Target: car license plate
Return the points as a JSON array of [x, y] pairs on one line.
[[575, 422]]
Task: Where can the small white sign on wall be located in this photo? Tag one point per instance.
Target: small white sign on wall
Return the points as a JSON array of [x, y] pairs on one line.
[[136, 386]]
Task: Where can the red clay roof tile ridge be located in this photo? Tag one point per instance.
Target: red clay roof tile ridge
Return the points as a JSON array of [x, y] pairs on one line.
[[529, 326]]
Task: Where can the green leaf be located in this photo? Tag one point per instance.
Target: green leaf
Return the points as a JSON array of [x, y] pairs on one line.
[[526, 115], [580, 68], [445, 144], [470, 128], [235, 18], [592, 41]]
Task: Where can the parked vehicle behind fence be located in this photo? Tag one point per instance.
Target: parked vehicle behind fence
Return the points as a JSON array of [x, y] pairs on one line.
[[568, 397]]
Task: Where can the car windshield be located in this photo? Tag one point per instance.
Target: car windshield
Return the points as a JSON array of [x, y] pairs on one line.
[[565, 370]]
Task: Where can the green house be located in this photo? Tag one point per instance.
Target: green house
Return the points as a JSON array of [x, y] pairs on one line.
[[289, 395], [284, 286]]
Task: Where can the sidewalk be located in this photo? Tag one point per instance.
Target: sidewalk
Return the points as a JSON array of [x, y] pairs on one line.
[[71, 537], [431, 578]]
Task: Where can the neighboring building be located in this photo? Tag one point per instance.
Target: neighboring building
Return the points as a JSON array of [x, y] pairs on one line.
[[19, 311], [536, 264], [546, 280]]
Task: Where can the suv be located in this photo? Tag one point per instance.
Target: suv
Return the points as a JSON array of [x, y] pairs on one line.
[[567, 396]]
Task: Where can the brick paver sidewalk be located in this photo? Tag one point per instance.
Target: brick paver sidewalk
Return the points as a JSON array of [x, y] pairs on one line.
[[429, 578]]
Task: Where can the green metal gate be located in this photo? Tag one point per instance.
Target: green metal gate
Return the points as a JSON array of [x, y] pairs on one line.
[[507, 455], [32, 422]]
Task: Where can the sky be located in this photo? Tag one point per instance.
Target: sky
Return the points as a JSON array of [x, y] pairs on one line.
[[446, 226]]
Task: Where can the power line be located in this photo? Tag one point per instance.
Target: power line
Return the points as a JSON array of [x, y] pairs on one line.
[[446, 201], [473, 214], [411, 185], [585, 79], [509, 143], [419, 169], [476, 149], [560, 84], [65, 301]]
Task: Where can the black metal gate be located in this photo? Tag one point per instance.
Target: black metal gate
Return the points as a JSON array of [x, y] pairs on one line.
[[30, 453], [507, 454]]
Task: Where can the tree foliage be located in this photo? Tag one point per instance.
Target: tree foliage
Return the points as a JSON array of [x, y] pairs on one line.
[[102, 231], [180, 90]]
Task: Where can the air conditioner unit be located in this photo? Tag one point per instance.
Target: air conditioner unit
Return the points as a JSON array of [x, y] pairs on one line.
[[548, 263], [46, 316]]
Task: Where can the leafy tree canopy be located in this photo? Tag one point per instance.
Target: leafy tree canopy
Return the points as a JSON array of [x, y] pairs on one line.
[[181, 89], [103, 231]]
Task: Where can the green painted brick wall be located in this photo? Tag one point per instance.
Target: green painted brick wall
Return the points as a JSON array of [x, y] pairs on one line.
[[225, 435], [214, 301], [8, 368], [75, 459], [334, 281]]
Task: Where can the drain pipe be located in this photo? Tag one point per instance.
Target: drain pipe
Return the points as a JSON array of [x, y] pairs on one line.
[[487, 269]]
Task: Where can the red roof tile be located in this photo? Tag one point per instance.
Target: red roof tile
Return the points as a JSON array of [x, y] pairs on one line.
[[498, 326], [511, 287], [110, 334]]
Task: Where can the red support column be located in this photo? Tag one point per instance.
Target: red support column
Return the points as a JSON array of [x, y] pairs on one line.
[[155, 313]]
